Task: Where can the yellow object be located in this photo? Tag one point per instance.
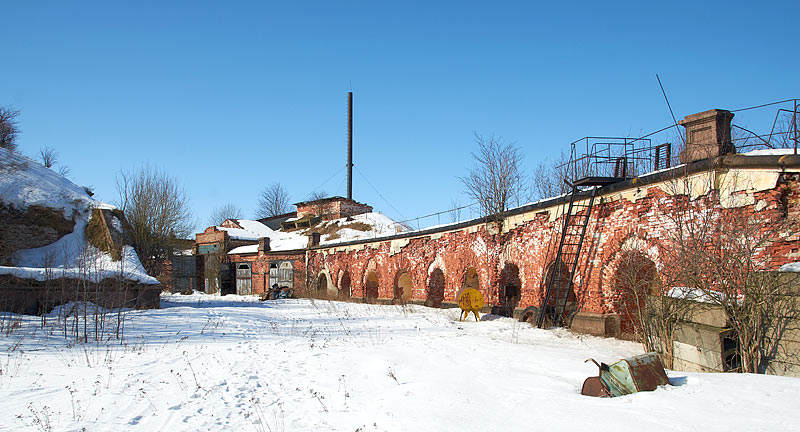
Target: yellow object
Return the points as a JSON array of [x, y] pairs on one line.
[[470, 300]]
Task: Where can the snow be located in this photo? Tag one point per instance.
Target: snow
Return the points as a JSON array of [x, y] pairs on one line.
[[686, 293], [769, 152], [24, 183], [253, 230], [234, 363], [380, 226], [790, 267], [244, 250]]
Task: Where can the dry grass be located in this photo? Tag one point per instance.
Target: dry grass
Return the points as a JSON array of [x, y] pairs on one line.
[[98, 236]]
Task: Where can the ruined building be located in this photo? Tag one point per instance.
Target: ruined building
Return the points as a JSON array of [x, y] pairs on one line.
[[528, 264]]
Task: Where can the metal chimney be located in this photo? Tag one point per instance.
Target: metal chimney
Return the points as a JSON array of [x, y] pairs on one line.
[[350, 145]]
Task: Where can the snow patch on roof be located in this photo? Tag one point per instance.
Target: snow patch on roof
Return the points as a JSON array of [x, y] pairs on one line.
[[244, 250], [254, 230]]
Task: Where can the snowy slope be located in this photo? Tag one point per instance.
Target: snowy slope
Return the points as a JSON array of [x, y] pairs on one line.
[[379, 225], [233, 363], [24, 183]]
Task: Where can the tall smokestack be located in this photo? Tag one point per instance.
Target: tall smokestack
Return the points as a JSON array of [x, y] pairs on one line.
[[350, 145]]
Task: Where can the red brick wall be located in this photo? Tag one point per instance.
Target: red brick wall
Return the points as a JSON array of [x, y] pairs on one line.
[[332, 208], [531, 247], [260, 269]]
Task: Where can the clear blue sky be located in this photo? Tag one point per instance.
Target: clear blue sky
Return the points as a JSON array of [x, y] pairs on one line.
[[230, 97]]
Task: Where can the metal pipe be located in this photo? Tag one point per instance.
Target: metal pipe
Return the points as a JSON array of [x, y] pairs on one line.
[[350, 145]]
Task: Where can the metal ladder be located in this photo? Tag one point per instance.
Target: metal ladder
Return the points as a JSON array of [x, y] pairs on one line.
[[569, 250]]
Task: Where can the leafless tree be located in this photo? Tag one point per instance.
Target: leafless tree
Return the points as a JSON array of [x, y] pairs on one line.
[[550, 178], [274, 201], [48, 156], [8, 128], [317, 195], [649, 304], [455, 210], [495, 180], [157, 213], [221, 213], [723, 251]]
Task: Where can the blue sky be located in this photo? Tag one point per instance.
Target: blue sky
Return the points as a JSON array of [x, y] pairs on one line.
[[230, 97]]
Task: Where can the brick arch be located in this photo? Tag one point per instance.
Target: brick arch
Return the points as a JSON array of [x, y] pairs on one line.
[[557, 296], [323, 283], [345, 284], [370, 282], [510, 288], [633, 240], [403, 286], [435, 288], [635, 279]]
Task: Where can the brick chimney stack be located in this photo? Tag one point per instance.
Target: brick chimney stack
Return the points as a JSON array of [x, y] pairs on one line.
[[263, 245], [313, 239], [708, 135]]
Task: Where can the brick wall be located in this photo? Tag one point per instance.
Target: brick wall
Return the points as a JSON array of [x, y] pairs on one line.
[[332, 208], [638, 217], [260, 268]]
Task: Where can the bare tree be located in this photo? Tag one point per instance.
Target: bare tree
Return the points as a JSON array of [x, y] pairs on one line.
[[8, 128], [650, 307], [550, 177], [455, 210], [157, 213], [495, 180], [274, 201], [221, 213], [319, 207], [48, 156], [317, 195], [725, 255]]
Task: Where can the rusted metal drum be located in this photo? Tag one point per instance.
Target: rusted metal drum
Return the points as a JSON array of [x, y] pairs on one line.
[[593, 386], [629, 375]]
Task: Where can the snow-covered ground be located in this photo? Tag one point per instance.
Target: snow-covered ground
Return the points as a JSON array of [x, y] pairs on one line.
[[234, 363]]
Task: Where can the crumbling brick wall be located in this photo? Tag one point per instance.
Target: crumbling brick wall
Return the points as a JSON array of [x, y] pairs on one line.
[[634, 217]]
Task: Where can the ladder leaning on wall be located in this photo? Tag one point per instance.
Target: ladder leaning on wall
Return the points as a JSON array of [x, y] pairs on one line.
[[569, 249]]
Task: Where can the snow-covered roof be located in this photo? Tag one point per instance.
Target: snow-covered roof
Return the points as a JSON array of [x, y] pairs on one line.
[[24, 183], [254, 230], [251, 230]]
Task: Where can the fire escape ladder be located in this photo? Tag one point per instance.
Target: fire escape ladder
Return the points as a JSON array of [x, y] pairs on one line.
[[569, 248]]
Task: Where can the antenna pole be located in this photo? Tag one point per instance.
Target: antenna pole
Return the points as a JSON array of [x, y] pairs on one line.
[[350, 145], [670, 109]]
